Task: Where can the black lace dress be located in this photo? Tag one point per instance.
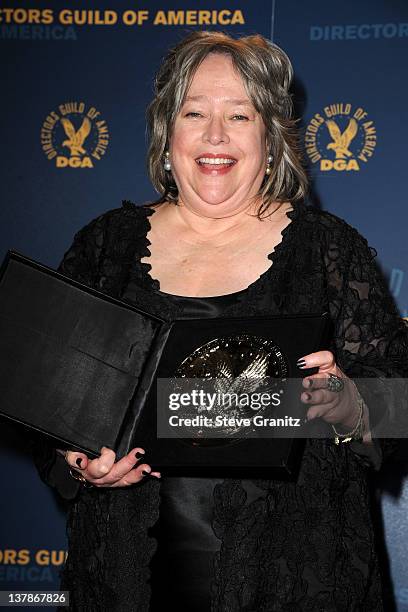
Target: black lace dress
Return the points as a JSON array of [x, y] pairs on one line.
[[271, 546]]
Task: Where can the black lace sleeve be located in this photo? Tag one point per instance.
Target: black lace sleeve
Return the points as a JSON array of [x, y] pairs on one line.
[[371, 339], [80, 262]]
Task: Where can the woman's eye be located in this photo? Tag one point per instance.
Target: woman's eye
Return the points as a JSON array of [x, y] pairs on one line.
[[240, 117], [192, 114]]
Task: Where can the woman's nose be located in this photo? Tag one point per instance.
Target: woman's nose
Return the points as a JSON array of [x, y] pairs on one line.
[[215, 131]]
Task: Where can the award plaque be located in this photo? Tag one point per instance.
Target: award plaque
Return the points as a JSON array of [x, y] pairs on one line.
[[89, 371], [243, 355]]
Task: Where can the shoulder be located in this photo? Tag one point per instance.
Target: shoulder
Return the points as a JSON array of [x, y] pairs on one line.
[[128, 216], [334, 232], [118, 231], [325, 220], [128, 211]]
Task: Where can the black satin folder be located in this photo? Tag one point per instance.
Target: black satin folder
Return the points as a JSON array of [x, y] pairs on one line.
[[80, 367]]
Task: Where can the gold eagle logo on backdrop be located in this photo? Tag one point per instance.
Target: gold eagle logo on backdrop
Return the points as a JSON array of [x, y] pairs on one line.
[[341, 141], [341, 137], [76, 139]]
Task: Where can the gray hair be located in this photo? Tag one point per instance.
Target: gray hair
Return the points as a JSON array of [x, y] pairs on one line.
[[267, 73]]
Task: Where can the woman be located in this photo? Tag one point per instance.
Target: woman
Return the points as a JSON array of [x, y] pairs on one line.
[[231, 236]]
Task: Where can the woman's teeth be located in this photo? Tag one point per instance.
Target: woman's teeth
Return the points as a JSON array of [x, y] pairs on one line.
[[215, 161]]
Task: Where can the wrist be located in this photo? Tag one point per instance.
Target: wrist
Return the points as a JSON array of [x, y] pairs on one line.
[[354, 427], [352, 420]]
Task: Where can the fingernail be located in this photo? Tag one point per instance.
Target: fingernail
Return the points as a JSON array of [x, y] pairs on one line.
[[307, 396], [301, 363], [79, 462], [139, 454], [145, 472], [309, 382]]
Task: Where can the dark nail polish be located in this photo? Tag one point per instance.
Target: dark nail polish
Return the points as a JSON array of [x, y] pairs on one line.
[[78, 462], [301, 363], [145, 473]]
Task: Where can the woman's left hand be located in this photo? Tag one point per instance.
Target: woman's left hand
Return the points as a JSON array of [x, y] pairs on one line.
[[332, 406]]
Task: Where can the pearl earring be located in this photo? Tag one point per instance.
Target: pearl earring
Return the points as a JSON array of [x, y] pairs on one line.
[[167, 164], [268, 167]]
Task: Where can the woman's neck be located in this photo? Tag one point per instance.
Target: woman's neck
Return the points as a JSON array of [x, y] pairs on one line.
[[195, 229]]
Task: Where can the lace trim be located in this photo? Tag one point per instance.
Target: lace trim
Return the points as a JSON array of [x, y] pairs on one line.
[[141, 270], [146, 267]]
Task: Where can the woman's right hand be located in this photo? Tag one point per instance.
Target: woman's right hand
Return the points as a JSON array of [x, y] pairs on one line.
[[104, 472]]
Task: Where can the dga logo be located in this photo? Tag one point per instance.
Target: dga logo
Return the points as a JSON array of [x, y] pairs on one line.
[[340, 138], [74, 135]]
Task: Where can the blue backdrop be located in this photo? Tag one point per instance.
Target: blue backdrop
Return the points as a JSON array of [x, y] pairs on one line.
[[91, 66]]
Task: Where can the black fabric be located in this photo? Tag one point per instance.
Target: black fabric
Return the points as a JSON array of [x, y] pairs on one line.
[[300, 546], [183, 564]]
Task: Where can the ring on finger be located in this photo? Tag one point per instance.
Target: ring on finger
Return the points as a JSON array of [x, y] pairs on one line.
[[335, 383], [77, 476]]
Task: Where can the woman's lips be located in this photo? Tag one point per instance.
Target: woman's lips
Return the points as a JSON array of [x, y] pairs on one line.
[[215, 166]]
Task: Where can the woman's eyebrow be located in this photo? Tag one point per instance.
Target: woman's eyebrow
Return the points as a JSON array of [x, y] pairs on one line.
[[235, 101]]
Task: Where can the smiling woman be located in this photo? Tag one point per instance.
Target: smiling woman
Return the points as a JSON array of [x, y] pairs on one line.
[[210, 76], [230, 236]]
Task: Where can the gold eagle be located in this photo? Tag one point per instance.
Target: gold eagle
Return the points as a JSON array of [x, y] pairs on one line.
[[341, 140], [76, 139]]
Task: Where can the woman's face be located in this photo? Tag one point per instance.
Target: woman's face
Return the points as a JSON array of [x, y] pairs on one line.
[[217, 147]]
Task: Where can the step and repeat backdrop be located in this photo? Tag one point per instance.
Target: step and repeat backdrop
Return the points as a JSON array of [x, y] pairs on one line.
[[76, 79]]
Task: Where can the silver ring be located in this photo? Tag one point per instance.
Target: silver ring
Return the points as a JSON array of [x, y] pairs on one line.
[[335, 383]]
